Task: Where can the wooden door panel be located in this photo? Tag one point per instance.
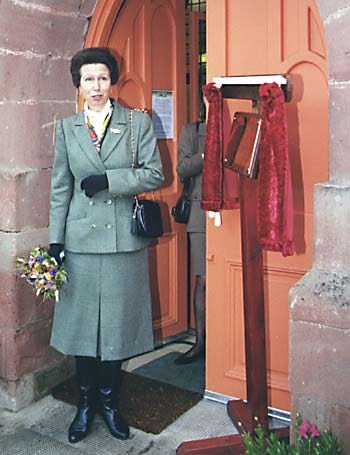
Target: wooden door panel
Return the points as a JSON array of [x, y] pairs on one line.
[[148, 38], [165, 294], [281, 37]]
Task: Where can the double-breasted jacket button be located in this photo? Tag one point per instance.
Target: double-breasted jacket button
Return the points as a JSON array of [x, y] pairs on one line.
[[109, 226], [109, 202], [92, 203], [93, 226]]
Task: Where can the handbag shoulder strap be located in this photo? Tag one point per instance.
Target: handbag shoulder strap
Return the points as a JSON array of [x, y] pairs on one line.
[[186, 181], [196, 137], [132, 143], [132, 140], [133, 151]]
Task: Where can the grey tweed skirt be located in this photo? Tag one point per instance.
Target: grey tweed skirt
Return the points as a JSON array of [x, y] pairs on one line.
[[197, 242], [105, 307]]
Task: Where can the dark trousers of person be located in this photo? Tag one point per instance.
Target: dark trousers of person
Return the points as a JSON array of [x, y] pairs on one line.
[[99, 392]]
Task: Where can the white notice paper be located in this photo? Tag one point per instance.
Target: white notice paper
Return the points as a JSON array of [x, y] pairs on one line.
[[163, 113]]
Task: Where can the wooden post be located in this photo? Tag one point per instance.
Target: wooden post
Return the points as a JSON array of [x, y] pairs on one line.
[[254, 316]]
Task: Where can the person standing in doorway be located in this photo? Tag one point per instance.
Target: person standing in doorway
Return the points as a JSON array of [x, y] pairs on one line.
[[190, 162], [104, 312]]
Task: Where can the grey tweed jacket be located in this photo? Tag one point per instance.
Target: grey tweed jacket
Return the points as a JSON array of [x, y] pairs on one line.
[[101, 224]]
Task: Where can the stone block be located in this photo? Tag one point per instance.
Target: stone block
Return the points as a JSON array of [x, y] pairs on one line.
[[66, 7], [25, 350], [29, 132], [18, 304], [332, 214], [337, 31], [46, 379], [319, 359], [330, 10], [30, 308], [15, 395], [34, 352], [45, 31], [8, 353], [339, 96], [8, 301], [323, 298], [339, 65], [24, 199], [326, 415], [46, 78], [87, 8], [14, 245]]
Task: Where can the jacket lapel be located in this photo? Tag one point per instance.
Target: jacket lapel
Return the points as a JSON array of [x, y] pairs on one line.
[[83, 138], [117, 128]]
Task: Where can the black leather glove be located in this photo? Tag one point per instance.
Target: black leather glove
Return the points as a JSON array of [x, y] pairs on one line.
[[93, 184], [54, 251]]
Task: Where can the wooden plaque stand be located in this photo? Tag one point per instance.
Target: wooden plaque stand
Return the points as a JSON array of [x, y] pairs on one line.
[[242, 414]]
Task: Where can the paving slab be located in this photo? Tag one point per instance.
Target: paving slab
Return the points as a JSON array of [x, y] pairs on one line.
[[41, 429]]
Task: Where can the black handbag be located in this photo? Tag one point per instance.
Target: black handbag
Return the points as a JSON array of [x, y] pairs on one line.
[[146, 219], [181, 211], [146, 215]]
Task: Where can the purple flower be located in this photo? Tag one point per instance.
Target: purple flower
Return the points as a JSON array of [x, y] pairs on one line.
[[53, 272], [31, 262], [314, 431], [40, 259], [304, 428]]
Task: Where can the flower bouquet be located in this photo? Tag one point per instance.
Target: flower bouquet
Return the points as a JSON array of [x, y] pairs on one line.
[[42, 271], [309, 440]]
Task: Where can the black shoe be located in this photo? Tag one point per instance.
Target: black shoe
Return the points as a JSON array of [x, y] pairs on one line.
[[190, 356], [117, 426], [80, 426]]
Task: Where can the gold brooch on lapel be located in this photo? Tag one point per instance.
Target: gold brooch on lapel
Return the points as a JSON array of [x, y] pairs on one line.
[[115, 130]]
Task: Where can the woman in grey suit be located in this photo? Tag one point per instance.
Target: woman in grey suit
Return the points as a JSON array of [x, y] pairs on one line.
[[191, 154], [104, 312]]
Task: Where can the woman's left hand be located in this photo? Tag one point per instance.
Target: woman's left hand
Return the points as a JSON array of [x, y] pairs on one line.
[[93, 184]]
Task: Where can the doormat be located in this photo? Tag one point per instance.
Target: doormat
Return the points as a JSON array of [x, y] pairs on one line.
[[146, 404], [190, 376]]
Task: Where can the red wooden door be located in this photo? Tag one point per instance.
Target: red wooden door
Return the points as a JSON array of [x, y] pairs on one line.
[[284, 36], [148, 39]]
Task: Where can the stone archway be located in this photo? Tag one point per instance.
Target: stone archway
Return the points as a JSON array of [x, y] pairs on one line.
[[28, 110], [320, 302]]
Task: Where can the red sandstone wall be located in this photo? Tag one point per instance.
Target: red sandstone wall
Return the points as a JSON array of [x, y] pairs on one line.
[[320, 302], [37, 39]]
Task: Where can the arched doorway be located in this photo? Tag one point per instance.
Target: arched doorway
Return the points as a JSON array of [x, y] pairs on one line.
[[148, 39]]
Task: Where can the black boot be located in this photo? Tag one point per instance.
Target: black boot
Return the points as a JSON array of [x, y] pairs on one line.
[[108, 397], [86, 375]]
